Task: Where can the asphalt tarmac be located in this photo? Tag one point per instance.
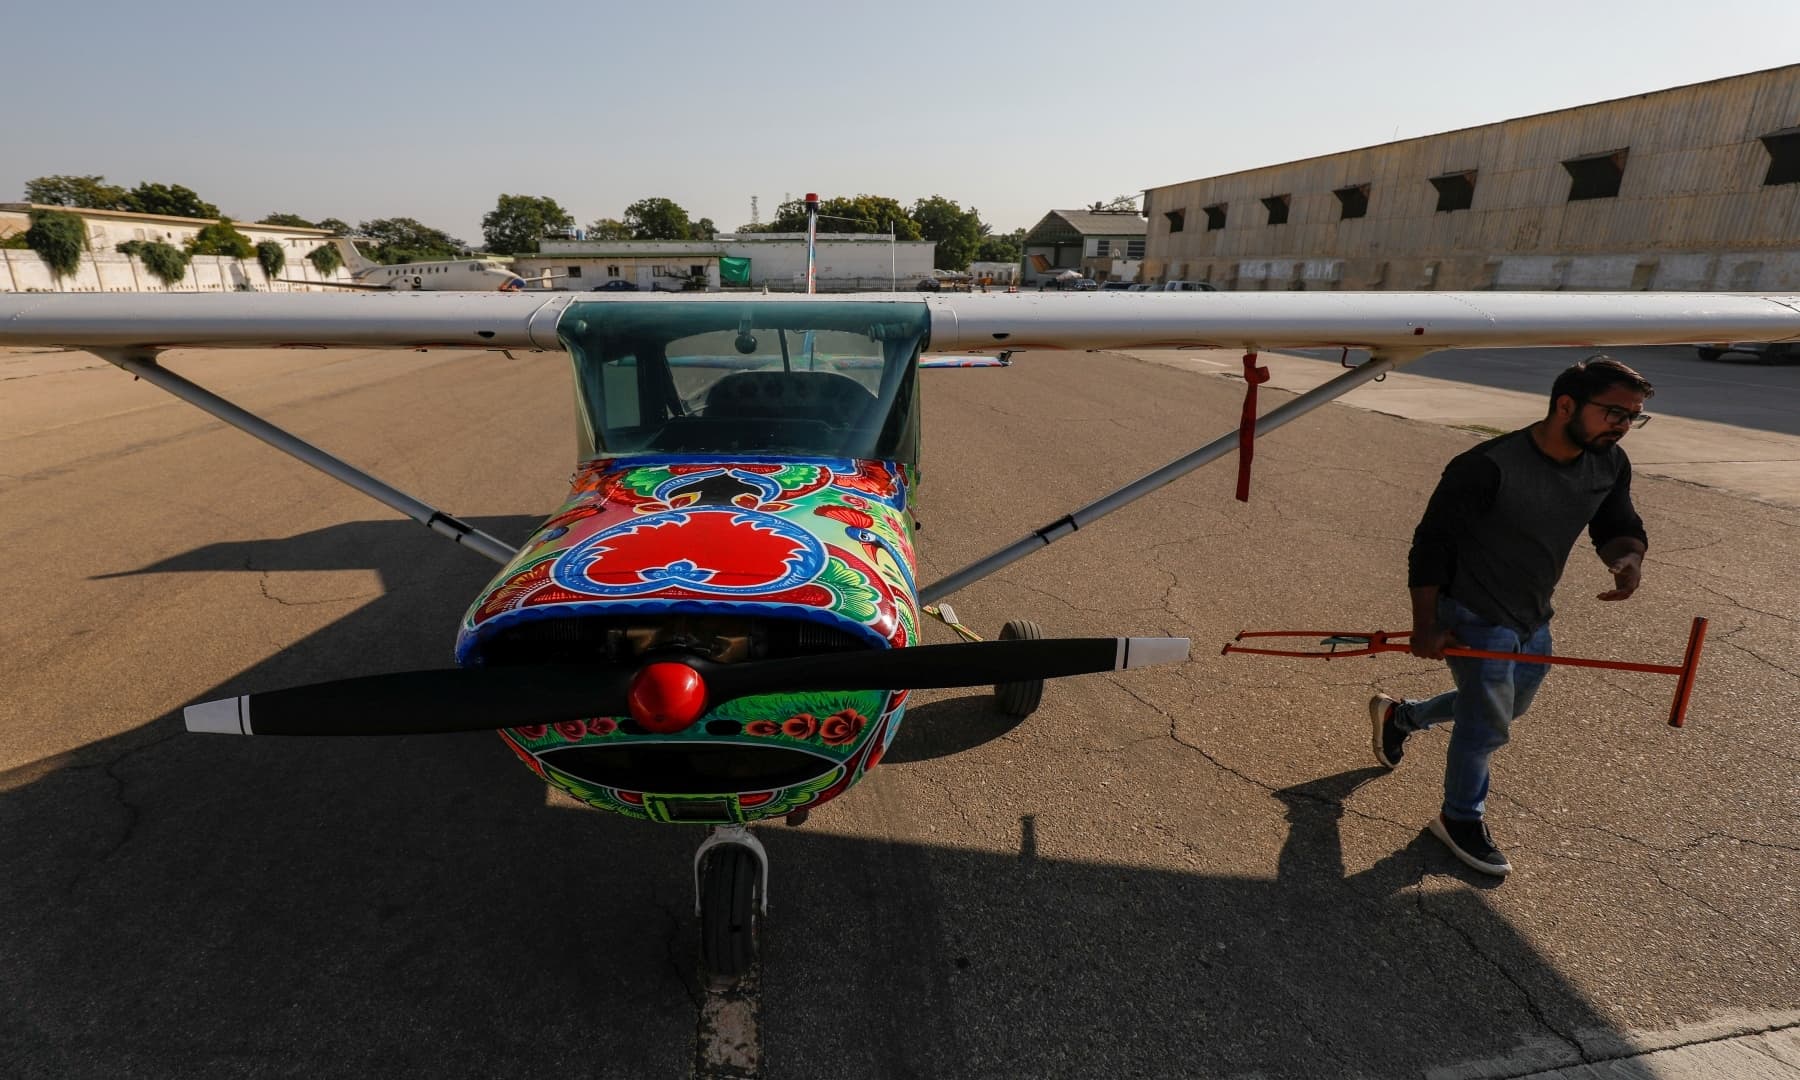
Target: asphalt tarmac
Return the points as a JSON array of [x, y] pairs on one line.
[[1186, 871]]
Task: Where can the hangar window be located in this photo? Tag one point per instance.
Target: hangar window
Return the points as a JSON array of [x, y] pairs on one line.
[[1102, 249], [1177, 219], [612, 271], [574, 271], [1134, 249], [1277, 206], [1456, 191], [1215, 217], [1784, 156], [1353, 201], [1595, 176]]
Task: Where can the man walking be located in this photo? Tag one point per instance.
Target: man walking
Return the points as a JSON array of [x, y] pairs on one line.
[[1485, 558]]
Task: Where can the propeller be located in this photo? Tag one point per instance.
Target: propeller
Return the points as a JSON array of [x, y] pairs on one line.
[[664, 694]]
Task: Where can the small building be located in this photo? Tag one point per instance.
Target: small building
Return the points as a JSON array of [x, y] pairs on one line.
[[844, 262], [1106, 245], [104, 269]]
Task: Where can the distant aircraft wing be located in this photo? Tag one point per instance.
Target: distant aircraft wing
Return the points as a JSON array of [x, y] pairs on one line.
[[336, 284]]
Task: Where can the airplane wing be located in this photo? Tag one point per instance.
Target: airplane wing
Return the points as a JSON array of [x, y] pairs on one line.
[[336, 284], [1405, 325]]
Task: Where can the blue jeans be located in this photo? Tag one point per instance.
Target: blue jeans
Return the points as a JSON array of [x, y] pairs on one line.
[[1489, 696]]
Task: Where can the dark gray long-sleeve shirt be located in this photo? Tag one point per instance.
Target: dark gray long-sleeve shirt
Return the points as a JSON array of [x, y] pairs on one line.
[[1499, 528]]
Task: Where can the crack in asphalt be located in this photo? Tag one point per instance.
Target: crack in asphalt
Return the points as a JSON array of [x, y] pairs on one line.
[[1539, 1070], [1752, 653], [262, 585], [132, 813]]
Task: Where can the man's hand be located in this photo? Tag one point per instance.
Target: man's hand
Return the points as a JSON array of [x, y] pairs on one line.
[[1627, 571], [1429, 642]]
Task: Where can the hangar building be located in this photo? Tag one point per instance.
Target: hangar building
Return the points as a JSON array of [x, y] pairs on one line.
[[845, 262], [1691, 188]]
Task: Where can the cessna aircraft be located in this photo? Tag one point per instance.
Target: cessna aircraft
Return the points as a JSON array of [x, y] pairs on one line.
[[473, 274], [722, 622]]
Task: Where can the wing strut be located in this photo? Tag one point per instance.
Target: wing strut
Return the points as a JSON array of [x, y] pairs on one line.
[[1377, 365], [147, 369]]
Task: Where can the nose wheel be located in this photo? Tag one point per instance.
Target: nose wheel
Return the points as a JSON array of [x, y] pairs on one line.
[[1020, 698], [731, 894]]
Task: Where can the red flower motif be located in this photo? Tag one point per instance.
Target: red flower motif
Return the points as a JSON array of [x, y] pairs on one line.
[[762, 727], [533, 731], [803, 726], [840, 728], [856, 519], [572, 730], [602, 726], [857, 501]]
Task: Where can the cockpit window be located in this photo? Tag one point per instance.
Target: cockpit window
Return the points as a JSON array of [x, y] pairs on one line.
[[819, 379]]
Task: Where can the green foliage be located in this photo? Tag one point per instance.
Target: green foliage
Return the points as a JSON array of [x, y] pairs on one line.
[[292, 221], [168, 262], [608, 229], [518, 222], [404, 240], [704, 229], [92, 192], [59, 238], [15, 241], [171, 199], [1007, 247], [325, 259], [337, 227], [657, 219], [957, 232], [864, 214], [221, 238], [271, 257]]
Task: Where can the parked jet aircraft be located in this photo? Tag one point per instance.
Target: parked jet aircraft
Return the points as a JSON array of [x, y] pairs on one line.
[[473, 274]]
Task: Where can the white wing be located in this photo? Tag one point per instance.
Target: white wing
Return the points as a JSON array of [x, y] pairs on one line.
[[1402, 323]]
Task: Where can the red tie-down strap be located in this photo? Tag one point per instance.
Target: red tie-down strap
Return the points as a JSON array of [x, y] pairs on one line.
[[1247, 426]]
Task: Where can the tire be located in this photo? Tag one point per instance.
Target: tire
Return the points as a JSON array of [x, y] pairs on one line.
[[728, 886], [1708, 354], [1020, 698]]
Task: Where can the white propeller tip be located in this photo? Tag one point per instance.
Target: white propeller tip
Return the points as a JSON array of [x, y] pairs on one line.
[[1140, 652], [227, 716]]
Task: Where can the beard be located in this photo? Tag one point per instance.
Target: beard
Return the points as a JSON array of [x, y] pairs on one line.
[[1604, 439]]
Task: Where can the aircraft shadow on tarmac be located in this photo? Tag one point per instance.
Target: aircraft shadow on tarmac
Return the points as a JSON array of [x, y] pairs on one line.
[[186, 905]]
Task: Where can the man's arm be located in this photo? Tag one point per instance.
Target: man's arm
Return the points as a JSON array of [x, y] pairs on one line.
[[1619, 537], [1463, 495]]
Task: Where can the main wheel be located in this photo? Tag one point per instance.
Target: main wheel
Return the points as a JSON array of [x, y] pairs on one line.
[[1020, 698], [728, 886], [1709, 354]]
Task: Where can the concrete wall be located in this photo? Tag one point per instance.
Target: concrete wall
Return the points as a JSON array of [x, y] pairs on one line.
[[777, 261], [1692, 211], [109, 271]]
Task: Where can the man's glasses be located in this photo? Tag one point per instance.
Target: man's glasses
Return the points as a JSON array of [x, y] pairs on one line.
[[1616, 416]]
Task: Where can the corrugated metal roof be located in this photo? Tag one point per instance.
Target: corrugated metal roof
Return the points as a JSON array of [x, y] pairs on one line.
[[1061, 224]]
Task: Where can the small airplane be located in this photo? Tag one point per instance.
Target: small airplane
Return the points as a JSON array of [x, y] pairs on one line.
[[722, 622], [478, 273]]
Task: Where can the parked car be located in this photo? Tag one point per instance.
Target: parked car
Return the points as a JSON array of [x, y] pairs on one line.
[[616, 285], [1144, 286], [1751, 352], [1086, 284], [1188, 286], [1117, 286]]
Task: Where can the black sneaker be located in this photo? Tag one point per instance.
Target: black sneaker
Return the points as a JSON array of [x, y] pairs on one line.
[[1470, 842], [1389, 739]]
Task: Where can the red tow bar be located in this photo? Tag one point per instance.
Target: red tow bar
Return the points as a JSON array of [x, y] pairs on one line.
[[1381, 642]]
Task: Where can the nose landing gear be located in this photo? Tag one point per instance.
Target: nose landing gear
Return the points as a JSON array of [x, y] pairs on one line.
[[731, 891]]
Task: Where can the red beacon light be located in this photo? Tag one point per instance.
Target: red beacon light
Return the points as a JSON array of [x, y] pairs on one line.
[[666, 697]]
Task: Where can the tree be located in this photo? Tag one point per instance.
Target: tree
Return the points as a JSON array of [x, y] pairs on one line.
[[403, 240], [168, 262], [271, 257], [59, 238], [325, 259], [221, 238], [92, 192], [1116, 203], [337, 227], [608, 229], [170, 199], [518, 222], [957, 232], [292, 221], [1006, 247], [704, 229], [657, 219], [862, 214]]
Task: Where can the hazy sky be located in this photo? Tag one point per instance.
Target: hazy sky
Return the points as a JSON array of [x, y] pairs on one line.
[[373, 109]]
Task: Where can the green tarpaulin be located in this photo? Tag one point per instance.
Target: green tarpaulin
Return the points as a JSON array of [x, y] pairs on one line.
[[733, 271]]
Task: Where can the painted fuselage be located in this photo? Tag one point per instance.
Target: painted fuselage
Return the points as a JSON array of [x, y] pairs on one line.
[[663, 552]]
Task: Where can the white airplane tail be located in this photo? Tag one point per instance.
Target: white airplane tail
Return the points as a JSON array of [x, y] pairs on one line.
[[353, 259]]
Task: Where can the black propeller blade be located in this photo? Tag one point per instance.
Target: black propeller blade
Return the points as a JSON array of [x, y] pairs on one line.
[[487, 699]]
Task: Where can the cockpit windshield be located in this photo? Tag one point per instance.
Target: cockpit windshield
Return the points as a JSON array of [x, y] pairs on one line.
[[778, 377]]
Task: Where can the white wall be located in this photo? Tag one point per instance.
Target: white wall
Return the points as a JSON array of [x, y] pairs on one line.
[[109, 271]]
